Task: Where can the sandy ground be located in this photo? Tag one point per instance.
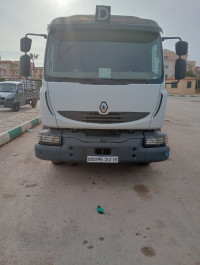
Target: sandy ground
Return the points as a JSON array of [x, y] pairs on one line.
[[7, 113], [48, 213]]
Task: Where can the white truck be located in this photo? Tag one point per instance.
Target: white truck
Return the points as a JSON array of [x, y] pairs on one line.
[[103, 97]]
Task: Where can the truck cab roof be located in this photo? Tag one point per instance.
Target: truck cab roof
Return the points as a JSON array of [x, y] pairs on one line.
[[116, 22]]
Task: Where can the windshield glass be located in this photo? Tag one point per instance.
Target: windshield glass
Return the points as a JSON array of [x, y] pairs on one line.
[[5, 87], [133, 56]]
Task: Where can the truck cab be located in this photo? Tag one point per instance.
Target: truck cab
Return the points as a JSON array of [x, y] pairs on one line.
[[103, 98]]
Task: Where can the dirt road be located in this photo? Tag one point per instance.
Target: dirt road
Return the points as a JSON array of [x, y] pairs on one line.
[[7, 113], [10, 119], [48, 213]]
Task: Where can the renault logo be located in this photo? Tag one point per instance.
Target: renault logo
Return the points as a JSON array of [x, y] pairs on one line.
[[103, 107]]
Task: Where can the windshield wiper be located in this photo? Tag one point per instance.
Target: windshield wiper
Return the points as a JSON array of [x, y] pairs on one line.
[[99, 81], [119, 81], [138, 81]]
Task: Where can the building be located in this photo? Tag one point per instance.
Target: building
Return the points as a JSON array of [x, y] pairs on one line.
[[197, 71], [11, 70], [6, 69], [184, 87], [191, 65], [38, 72], [170, 58]]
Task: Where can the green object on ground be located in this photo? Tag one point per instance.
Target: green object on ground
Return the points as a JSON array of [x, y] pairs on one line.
[[100, 210]]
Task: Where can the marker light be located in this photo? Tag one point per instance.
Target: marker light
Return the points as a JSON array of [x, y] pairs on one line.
[[156, 140], [48, 138]]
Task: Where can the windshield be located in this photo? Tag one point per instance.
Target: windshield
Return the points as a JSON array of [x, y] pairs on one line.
[[5, 87], [100, 57]]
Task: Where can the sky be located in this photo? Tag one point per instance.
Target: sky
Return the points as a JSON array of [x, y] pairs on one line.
[[18, 17]]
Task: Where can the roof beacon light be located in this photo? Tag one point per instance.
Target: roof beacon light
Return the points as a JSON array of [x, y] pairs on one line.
[[103, 13]]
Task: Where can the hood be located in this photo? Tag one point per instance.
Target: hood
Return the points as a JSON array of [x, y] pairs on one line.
[[5, 94], [103, 106]]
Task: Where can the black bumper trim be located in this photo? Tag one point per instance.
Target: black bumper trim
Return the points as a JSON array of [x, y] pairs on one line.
[[74, 150]]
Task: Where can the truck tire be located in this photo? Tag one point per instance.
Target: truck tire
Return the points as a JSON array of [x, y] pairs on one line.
[[16, 107], [33, 103]]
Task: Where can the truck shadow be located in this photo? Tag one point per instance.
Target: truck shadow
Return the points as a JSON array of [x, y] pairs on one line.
[[102, 176]]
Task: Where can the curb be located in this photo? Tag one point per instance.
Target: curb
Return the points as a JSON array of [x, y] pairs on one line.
[[17, 131]]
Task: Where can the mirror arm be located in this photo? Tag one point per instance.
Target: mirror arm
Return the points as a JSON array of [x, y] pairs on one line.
[[171, 38], [33, 34], [172, 83]]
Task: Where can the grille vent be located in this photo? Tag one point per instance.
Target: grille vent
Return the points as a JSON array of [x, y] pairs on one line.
[[111, 117]]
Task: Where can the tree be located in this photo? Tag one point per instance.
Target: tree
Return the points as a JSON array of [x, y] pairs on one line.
[[34, 57], [190, 73]]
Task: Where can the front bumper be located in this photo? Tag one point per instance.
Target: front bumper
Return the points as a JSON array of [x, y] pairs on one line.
[[7, 104], [129, 150]]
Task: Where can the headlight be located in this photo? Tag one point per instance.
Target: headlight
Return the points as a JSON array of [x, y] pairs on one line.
[[49, 138], [160, 139]]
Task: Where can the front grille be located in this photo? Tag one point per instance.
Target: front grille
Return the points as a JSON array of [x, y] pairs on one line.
[[111, 117]]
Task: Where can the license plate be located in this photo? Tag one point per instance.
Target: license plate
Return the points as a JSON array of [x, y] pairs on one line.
[[102, 159], [1, 106]]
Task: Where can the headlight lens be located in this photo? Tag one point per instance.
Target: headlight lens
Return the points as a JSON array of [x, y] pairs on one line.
[[49, 138], [156, 140]]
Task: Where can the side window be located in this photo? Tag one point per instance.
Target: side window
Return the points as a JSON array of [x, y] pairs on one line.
[[52, 58], [20, 89], [155, 59]]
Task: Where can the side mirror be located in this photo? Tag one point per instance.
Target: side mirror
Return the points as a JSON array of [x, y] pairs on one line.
[[25, 65], [25, 44], [180, 69], [181, 48]]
